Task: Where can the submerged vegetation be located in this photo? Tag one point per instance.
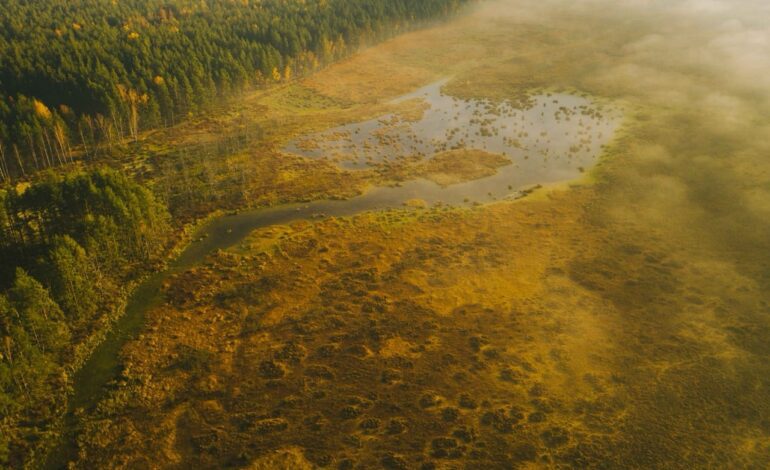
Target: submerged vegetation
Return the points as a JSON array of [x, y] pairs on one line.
[[616, 320]]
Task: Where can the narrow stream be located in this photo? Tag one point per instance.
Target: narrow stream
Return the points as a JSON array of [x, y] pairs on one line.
[[551, 165]]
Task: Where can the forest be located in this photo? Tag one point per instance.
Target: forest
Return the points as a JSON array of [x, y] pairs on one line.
[[78, 78], [69, 244], [74, 74]]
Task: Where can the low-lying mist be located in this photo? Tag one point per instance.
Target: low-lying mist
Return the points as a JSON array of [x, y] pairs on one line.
[[623, 322]]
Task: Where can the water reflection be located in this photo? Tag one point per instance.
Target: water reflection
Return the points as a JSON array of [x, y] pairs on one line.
[[554, 137]]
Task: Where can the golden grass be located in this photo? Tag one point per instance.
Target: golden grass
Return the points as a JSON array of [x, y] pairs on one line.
[[620, 323], [457, 166]]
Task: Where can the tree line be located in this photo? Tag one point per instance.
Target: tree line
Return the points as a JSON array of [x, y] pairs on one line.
[[68, 245], [77, 73], [79, 76]]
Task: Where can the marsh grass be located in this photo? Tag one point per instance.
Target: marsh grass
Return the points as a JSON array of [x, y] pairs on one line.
[[619, 323]]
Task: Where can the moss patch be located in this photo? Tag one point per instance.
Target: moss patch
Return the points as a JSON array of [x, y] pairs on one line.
[[457, 166]]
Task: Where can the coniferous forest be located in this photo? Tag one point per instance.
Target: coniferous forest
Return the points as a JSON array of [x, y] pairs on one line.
[[77, 75]]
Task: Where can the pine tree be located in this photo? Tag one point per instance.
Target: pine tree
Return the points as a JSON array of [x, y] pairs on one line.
[[38, 314], [74, 279]]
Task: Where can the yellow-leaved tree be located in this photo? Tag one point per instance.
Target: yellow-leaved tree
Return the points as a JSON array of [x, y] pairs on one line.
[[133, 99]]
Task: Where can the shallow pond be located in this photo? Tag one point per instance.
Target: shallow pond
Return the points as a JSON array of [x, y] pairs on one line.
[[549, 137]]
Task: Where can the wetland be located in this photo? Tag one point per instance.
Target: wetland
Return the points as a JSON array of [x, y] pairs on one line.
[[558, 257]]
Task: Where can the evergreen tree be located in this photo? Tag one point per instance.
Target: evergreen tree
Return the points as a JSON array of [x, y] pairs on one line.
[[74, 279], [39, 316]]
